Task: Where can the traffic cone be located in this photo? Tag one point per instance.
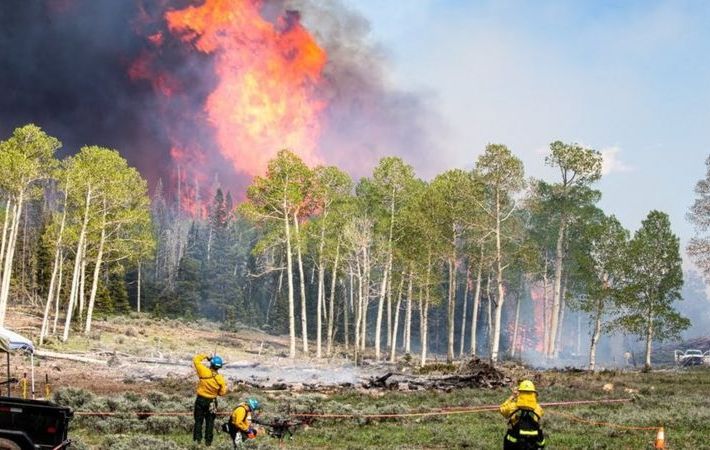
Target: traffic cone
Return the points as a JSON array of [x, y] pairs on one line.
[[660, 439]]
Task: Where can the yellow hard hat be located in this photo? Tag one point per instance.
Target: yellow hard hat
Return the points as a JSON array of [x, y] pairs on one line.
[[526, 386]]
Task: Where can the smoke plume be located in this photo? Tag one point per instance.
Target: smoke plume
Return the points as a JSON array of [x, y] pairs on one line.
[[189, 91]]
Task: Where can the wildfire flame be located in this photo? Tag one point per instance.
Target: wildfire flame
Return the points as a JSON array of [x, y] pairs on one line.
[[268, 73]]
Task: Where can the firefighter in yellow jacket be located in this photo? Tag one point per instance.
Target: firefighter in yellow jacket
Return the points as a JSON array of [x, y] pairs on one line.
[[210, 385], [523, 413], [240, 423]]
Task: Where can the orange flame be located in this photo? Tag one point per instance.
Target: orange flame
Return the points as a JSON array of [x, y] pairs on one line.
[[265, 98]]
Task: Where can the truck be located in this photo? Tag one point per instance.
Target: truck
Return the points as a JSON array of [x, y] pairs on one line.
[[692, 357], [28, 423]]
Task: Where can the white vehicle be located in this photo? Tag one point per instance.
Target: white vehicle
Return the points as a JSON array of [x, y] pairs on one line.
[[692, 357]]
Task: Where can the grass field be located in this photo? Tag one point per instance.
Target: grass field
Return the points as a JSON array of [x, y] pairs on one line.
[[675, 399]]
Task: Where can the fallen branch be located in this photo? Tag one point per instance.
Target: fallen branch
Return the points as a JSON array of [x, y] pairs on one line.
[[55, 355]]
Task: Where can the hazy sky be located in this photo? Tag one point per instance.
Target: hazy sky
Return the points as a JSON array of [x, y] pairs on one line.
[[631, 79]]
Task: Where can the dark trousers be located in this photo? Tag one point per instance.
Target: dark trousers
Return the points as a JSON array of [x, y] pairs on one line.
[[203, 414], [513, 441], [238, 436]]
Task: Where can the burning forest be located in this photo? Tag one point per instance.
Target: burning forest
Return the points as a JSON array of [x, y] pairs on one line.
[[236, 193]]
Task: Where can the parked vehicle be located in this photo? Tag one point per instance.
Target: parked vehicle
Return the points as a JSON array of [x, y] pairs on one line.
[[691, 357], [33, 424], [29, 424]]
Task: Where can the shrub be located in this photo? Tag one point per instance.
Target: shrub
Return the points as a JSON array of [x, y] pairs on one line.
[[74, 398], [163, 425], [137, 442], [119, 425]]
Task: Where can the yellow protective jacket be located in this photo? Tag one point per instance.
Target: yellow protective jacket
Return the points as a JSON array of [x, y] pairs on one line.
[[524, 400], [210, 383], [241, 417]]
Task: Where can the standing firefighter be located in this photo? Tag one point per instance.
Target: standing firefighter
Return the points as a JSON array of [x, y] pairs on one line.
[[523, 413], [240, 423], [210, 385]]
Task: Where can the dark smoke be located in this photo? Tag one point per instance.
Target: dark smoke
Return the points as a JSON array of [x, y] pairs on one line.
[[66, 65]]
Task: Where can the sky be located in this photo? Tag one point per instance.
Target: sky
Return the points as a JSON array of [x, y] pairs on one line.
[[630, 79]]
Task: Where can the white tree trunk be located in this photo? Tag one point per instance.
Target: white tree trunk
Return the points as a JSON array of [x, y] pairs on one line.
[[57, 297], [55, 269], [476, 305], [408, 318], [5, 227], [365, 297], [561, 323], [138, 293], [424, 327], [490, 315], [499, 281], [451, 307], [82, 283], [380, 303], [462, 342], [289, 272], [545, 311], [393, 343], [389, 311], [321, 290], [358, 308], [9, 257], [557, 291], [302, 283], [346, 326], [516, 326], [331, 303], [595, 338], [77, 268], [97, 271], [649, 340], [424, 313]]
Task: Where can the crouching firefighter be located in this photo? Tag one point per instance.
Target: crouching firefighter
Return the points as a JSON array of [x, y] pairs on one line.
[[523, 413], [210, 385], [240, 426]]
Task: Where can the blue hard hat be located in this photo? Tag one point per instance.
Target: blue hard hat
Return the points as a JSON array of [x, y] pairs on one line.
[[216, 362], [253, 404]]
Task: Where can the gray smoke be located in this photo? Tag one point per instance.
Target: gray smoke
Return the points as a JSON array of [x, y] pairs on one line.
[[367, 118]]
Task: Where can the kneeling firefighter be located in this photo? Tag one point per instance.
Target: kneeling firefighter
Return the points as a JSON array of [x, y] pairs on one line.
[[523, 413], [240, 426]]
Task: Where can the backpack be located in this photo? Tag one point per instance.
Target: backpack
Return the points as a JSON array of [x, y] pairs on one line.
[[526, 431]]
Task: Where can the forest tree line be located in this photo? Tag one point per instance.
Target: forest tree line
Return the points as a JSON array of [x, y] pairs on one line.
[[496, 262]]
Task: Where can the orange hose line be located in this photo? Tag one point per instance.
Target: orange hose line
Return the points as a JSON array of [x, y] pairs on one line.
[[442, 411], [603, 424], [453, 410]]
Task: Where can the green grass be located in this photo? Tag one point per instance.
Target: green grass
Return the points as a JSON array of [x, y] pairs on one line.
[[675, 399]]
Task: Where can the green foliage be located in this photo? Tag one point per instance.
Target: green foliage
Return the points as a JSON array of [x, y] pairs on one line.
[[653, 280], [699, 216], [26, 157]]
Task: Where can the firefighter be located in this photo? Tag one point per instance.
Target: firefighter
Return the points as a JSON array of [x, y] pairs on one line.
[[523, 413], [240, 423], [210, 385]]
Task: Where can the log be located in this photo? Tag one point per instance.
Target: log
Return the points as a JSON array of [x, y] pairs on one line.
[[70, 357], [169, 362]]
